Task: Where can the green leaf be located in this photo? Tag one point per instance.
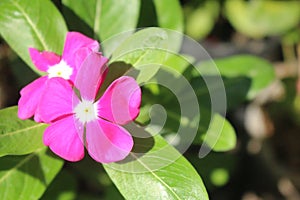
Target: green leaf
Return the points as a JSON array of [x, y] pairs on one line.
[[19, 137], [263, 18], [107, 18], [144, 50], [160, 173], [141, 41], [200, 19], [259, 71], [220, 135], [27, 177], [178, 63], [147, 50], [170, 16], [31, 23]]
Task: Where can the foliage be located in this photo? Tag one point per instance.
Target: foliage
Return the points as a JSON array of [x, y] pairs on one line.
[[155, 169], [257, 18], [254, 19]]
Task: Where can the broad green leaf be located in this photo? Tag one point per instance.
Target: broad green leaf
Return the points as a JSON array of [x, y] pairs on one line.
[[200, 19], [31, 23], [141, 41], [27, 177], [107, 18], [19, 137], [147, 50], [178, 63], [259, 71], [263, 18], [174, 179], [220, 135], [144, 50], [170, 16]]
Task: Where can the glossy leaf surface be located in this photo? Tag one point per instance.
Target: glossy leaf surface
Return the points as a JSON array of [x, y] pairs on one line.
[[176, 180], [31, 23], [27, 177], [19, 137]]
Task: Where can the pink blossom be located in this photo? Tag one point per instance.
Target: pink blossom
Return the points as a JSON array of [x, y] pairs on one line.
[[78, 121], [76, 49]]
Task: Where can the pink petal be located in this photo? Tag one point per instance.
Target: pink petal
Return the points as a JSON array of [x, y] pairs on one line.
[[63, 140], [80, 56], [42, 60], [121, 101], [30, 97], [91, 75], [75, 41], [107, 142], [37, 116], [57, 100]]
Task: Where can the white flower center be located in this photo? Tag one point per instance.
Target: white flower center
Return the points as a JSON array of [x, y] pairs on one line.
[[86, 111], [62, 69]]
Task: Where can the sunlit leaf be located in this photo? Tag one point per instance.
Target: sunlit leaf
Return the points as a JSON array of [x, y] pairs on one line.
[[144, 51], [19, 137], [106, 18], [170, 16], [175, 179], [220, 135], [263, 18], [31, 23], [201, 19], [27, 177]]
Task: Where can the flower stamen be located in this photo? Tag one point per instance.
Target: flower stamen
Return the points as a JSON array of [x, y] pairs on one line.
[[62, 69], [86, 111]]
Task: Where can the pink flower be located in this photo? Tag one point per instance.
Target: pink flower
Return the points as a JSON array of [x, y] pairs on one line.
[[76, 49], [81, 121]]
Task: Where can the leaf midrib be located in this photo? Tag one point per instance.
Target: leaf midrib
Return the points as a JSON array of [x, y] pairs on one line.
[[157, 177], [27, 18], [21, 130]]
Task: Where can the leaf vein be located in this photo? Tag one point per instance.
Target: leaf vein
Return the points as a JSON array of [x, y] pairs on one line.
[[21, 130], [43, 43], [20, 164], [158, 178]]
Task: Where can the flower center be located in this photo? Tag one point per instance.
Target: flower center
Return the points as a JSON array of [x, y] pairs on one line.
[[62, 69], [86, 111]]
